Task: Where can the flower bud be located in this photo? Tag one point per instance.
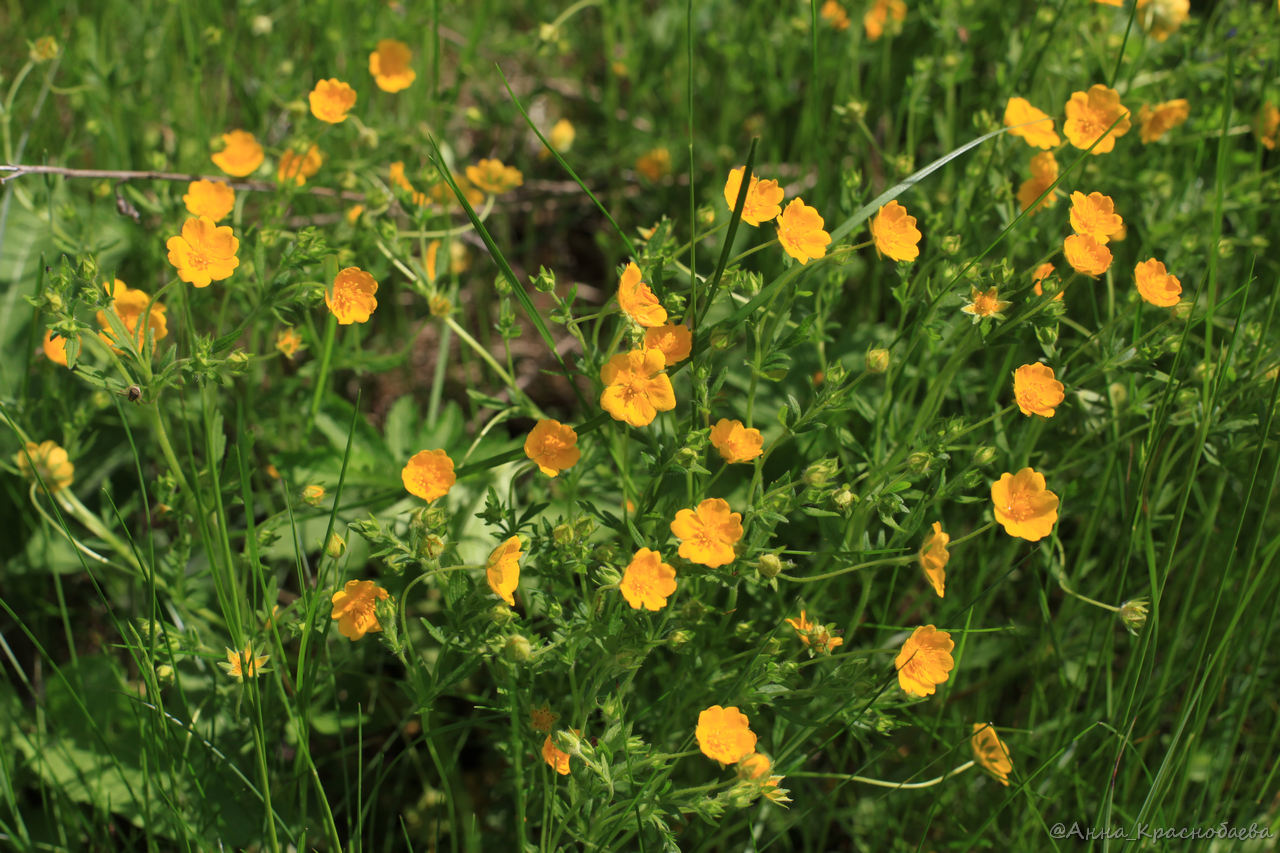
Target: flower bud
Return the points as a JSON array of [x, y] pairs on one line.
[[686, 457], [1119, 395], [877, 360], [918, 463], [984, 455], [44, 49], [164, 674], [431, 546], [501, 614], [844, 498], [313, 494], [544, 281], [584, 526], [439, 305], [336, 546], [754, 767], [679, 638], [563, 534], [819, 473], [769, 566], [603, 553], [1182, 310], [518, 648], [1133, 613], [609, 576]]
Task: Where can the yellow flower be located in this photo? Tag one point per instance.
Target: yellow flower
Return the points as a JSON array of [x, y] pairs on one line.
[[552, 446], [287, 342], [204, 252], [561, 135], [1095, 214], [55, 348], [493, 177], [647, 581], [43, 49], [351, 299], [882, 13], [724, 734], [1023, 506], [331, 100], [764, 198], [1156, 285], [895, 233], [990, 752], [985, 303], [1161, 17], [754, 767], [389, 65], [800, 232], [396, 171], [1039, 135], [240, 155], [654, 164], [502, 569], [353, 607], [1089, 114], [555, 758], [213, 199], [933, 559], [816, 636], [1044, 171], [353, 213], [243, 664], [735, 442], [1036, 391], [1158, 120], [428, 474], [924, 661], [835, 15], [313, 494], [45, 463], [298, 167], [637, 300], [1267, 125], [131, 306], [1086, 255], [1116, 3], [542, 718], [707, 534], [636, 388], [675, 341], [1038, 275]]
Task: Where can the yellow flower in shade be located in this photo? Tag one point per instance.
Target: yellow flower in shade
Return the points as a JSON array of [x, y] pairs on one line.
[[884, 14], [1038, 275], [933, 559], [675, 341], [244, 664], [428, 474], [735, 442], [502, 570], [241, 154], [637, 300], [1018, 111], [55, 348], [493, 177], [636, 388], [800, 232], [990, 752], [313, 494], [724, 734], [287, 342], [654, 164], [1160, 18], [985, 303], [816, 636], [553, 446], [131, 306], [1267, 125], [895, 233], [389, 65], [835, 15], [1044, 171], [213, 199], [1158, 120], [561, 135], [542, 718], [45, 463], [647, 581], [764, 198], [1023, 506], [924, 661], [397, 176], [1036, 391], [353, 607], [1156, 285], [204, 252], [1089, 114], [1086, 255], [556, 759], [754, 767], [1095, 214], [331, 100], [351, 299], [353, 213], [707, 534], [298, 167]]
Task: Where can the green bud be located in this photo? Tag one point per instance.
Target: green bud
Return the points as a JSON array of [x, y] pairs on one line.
[[584, 526], [918, 463], [1118, 394], [819, 473], [431, 546], [844, 498], [502, 615], [984, 455], [1133, 613], [609, 576], [877, 360], [686, 457], [563, 534], [544, 281], [769, 566], [164, 674], [336, 546], [517, 648], [679, 638]]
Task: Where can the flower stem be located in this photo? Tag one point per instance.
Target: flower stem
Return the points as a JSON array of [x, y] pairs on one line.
[[881, 783], [887, 561]]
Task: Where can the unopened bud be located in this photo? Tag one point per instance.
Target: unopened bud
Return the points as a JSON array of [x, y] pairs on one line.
[[164, 674], [431, 546], [769, 566], [877, 360], [609, 576], [336, 546], [819, 473], [1182, 310], [439, 305], [563, 534], [984, 455], [1119, 395], [518, 648], [679, 638], [844, 498], [313, 494], [501, 614], [918, 463], [1133, 613]]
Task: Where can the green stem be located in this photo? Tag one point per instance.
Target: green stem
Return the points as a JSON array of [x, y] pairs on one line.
[[880, 783]]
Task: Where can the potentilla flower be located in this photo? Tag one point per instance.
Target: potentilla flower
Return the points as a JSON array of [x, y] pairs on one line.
[[131, 306], [636, 388], [331, 100], [1044, 171], [389, 65], [990, 752], [313, 494], [1095, 214], [213, 199], [1086, 255], [351, 299], [244, 664], [654, 164], [45, 463], [397, 176], [1038, 275], [493, 177], [241, 154], [647, 581], [1036, 391], [353, 607], [287, 342], [502, 570], [553, 446], [428, 474], [1089, 114], [1156, 285], [1018, 111], [542, 718], [985, 303], [816, 636], [637, 301], [1160, 18], [55, 348], [764, 198], [204, 252], [1023, 506], [675, 341], [707, 534], [298, 167], [735, 442], [1158, 120], [800, 232], [724, 734], [895, 233], [835, 15], [884, 14], [924, 661], [1267, 125], [561, 135], [933, 559], [556, 759]]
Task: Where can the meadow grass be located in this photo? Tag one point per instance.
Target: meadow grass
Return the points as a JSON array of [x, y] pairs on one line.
[[226, 623]]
